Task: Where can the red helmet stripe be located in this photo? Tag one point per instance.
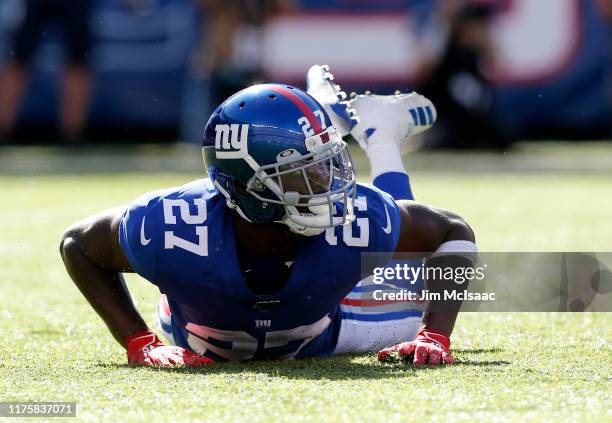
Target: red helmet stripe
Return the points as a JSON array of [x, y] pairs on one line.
[[301, 104]]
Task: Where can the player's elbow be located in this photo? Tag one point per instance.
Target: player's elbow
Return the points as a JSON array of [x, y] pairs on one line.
[[70, 244], [459, 229]]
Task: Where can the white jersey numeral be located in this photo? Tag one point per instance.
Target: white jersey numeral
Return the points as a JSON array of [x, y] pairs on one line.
[[200, 247], [244, 346], [362, 223]]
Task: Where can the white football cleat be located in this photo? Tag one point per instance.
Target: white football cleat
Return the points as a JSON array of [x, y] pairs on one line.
[[396, 117], [321, 86]]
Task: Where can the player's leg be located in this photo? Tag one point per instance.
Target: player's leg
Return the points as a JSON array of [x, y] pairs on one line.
[[369, 321], [163, 319], [386, 123], [381, 125], [167, 325], [368, 326]]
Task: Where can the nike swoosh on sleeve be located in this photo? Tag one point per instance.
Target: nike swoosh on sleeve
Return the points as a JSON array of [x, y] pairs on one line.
[[143, 238], [387, 229]]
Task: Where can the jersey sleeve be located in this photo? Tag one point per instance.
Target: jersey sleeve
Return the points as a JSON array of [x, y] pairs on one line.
[[385, 222], [138, 235]]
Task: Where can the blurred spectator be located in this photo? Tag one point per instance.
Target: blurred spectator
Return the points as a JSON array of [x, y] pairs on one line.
[[605, 8], [455, 81], [228, 57], [233, 52], [72, 18]]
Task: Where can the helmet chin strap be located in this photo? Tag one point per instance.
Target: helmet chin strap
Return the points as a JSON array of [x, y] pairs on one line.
[[303, 224], [299, 229], [317, 221], [230, 202]]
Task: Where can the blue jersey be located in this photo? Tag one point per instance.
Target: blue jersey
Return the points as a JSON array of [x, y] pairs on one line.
[[182, 240]]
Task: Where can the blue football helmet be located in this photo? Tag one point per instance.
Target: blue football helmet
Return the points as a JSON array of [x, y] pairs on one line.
[[272, 151]]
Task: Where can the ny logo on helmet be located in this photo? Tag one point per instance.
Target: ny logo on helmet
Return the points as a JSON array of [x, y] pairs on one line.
[[231, 141]]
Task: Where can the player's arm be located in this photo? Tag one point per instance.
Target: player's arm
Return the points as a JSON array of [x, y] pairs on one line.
[[95, 261], [429, 229]]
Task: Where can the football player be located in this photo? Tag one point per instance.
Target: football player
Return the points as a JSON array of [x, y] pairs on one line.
[[263, 259]]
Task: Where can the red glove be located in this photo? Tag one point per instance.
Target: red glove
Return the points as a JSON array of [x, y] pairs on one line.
[[146, 349], [428, 347]]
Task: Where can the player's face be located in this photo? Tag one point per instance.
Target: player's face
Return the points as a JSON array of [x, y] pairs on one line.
[[309, 186], [308, 179]]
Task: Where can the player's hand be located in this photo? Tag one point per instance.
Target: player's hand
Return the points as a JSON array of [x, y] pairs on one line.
[[428, 347], [146, 349]]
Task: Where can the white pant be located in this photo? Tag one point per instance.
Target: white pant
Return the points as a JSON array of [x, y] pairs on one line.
[[357, 336], [369, 325]]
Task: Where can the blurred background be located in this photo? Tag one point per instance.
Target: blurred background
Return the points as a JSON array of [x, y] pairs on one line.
[[133, 83], [109, 71]]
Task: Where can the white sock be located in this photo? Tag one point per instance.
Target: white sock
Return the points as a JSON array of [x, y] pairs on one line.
[[385, 155]]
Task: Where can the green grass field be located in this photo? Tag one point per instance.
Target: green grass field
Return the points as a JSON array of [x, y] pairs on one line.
[[510, 367]]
